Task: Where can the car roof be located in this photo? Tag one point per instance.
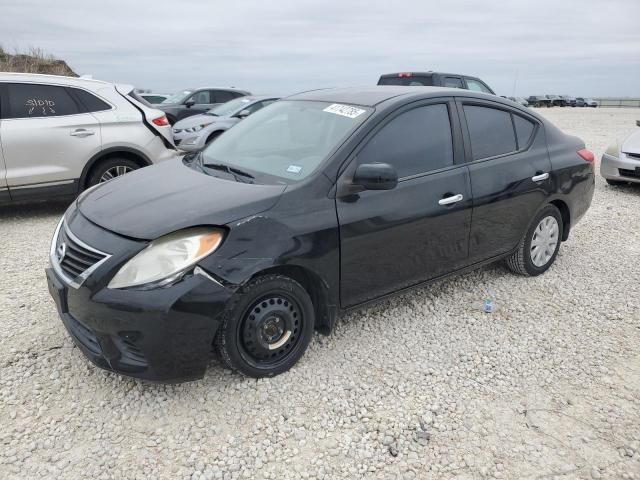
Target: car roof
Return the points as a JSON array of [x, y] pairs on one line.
[[57, 79], [374, 95], [430, 72], [228, 89]]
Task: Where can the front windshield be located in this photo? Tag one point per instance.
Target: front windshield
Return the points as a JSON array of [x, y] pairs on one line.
[[178, 97], [230, 107], [287, 140]]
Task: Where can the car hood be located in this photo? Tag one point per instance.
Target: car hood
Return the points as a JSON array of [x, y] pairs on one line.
[[163, 198], [631, 144], [199, 119]]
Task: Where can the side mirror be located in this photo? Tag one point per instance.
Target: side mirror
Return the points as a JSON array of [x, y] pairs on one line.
[[243, 113], [375, 176], [638, 123], [189, 103]]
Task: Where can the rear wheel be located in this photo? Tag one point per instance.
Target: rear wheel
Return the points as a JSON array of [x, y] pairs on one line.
[[266, 327], [540, 244], [109, 169]]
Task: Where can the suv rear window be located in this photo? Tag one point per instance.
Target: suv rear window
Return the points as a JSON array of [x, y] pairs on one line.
[[29, 100], [408, 81]]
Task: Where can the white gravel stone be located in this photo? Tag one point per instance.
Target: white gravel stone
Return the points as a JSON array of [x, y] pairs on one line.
[[422, 385]]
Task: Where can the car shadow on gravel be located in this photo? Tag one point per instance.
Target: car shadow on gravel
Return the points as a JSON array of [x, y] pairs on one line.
[[33, 210]]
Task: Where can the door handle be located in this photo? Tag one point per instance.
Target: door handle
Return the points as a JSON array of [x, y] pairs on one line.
[[540, 177], [82, 132], [450, 200]]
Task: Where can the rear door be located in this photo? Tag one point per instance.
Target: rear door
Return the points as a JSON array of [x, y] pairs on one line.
[[47, 138], [509, 166], [419, 230], [4, 190]]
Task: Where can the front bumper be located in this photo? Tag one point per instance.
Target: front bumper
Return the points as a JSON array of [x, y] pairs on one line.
[[622, 168], [162, 334], [189, 141]]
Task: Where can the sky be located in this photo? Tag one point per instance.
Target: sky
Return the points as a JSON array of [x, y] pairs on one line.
[[521, 47]]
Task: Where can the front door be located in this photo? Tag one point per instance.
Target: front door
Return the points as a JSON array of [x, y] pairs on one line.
[[419, 230], [46, 140]]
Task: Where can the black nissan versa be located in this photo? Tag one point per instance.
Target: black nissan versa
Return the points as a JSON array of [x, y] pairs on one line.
[[315, 204]]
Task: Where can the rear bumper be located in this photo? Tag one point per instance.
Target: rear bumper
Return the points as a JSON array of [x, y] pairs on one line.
[[161, 335], [622, 168]]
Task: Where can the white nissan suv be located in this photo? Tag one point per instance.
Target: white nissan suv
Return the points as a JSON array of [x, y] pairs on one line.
[[61, 135]]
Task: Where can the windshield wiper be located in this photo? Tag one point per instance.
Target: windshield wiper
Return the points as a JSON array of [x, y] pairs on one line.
[[235, 172]]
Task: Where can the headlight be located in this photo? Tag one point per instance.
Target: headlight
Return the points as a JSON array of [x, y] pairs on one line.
[[612, 150], [167, 258], [197, 128]]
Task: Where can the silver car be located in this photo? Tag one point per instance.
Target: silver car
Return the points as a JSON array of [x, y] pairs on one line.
[[621, 161], [60, 135], [196, 132]]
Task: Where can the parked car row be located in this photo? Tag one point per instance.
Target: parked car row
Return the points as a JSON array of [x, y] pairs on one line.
[[560, 101]]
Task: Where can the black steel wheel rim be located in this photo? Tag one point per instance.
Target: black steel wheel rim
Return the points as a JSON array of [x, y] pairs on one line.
[[271, 330]]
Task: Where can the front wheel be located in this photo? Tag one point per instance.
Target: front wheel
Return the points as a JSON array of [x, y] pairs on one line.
[[266, 327], [540, 244]]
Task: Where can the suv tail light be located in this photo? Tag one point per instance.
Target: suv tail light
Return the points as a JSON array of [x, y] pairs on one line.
[[587, 156], [161, 121], [404, 75]]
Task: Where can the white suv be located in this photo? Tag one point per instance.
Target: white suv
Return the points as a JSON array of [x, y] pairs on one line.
[[60, 135]]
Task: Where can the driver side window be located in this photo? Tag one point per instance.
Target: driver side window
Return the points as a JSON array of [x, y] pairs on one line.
[[416, 141]]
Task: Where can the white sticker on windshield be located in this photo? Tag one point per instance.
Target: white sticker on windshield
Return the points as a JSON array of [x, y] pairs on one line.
[[294, 169], [344, 110]]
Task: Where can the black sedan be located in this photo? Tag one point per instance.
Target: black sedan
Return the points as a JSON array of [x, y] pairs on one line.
[[318, 203]]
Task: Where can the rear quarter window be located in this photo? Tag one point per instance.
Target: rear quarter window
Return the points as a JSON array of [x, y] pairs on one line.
[[90, 102], [524, 130]]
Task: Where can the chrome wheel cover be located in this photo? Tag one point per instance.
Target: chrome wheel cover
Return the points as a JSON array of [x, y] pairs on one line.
[[114, 172], [544, 242]]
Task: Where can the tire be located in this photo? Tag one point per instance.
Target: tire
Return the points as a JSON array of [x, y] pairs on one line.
[[616, 183], [266, 327], [522, 260], [110, 166]]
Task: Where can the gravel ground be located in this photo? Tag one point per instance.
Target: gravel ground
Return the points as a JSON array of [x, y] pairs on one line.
[[424, 385]]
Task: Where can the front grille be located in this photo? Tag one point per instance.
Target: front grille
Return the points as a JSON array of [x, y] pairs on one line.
[[629, 173], [73, 259]]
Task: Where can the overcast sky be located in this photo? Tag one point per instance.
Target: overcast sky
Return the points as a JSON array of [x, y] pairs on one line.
[[582, 48]]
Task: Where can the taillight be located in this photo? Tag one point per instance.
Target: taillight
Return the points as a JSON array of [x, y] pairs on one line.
[[161, 121], [587, 156], [404, 75]]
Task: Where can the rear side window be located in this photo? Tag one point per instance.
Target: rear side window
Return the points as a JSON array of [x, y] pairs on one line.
[[90, 102], [490, 130], [524, 129], [408, 81], [221, 96], [31, 101], [452, 82], [477, 86], [414, 142]]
